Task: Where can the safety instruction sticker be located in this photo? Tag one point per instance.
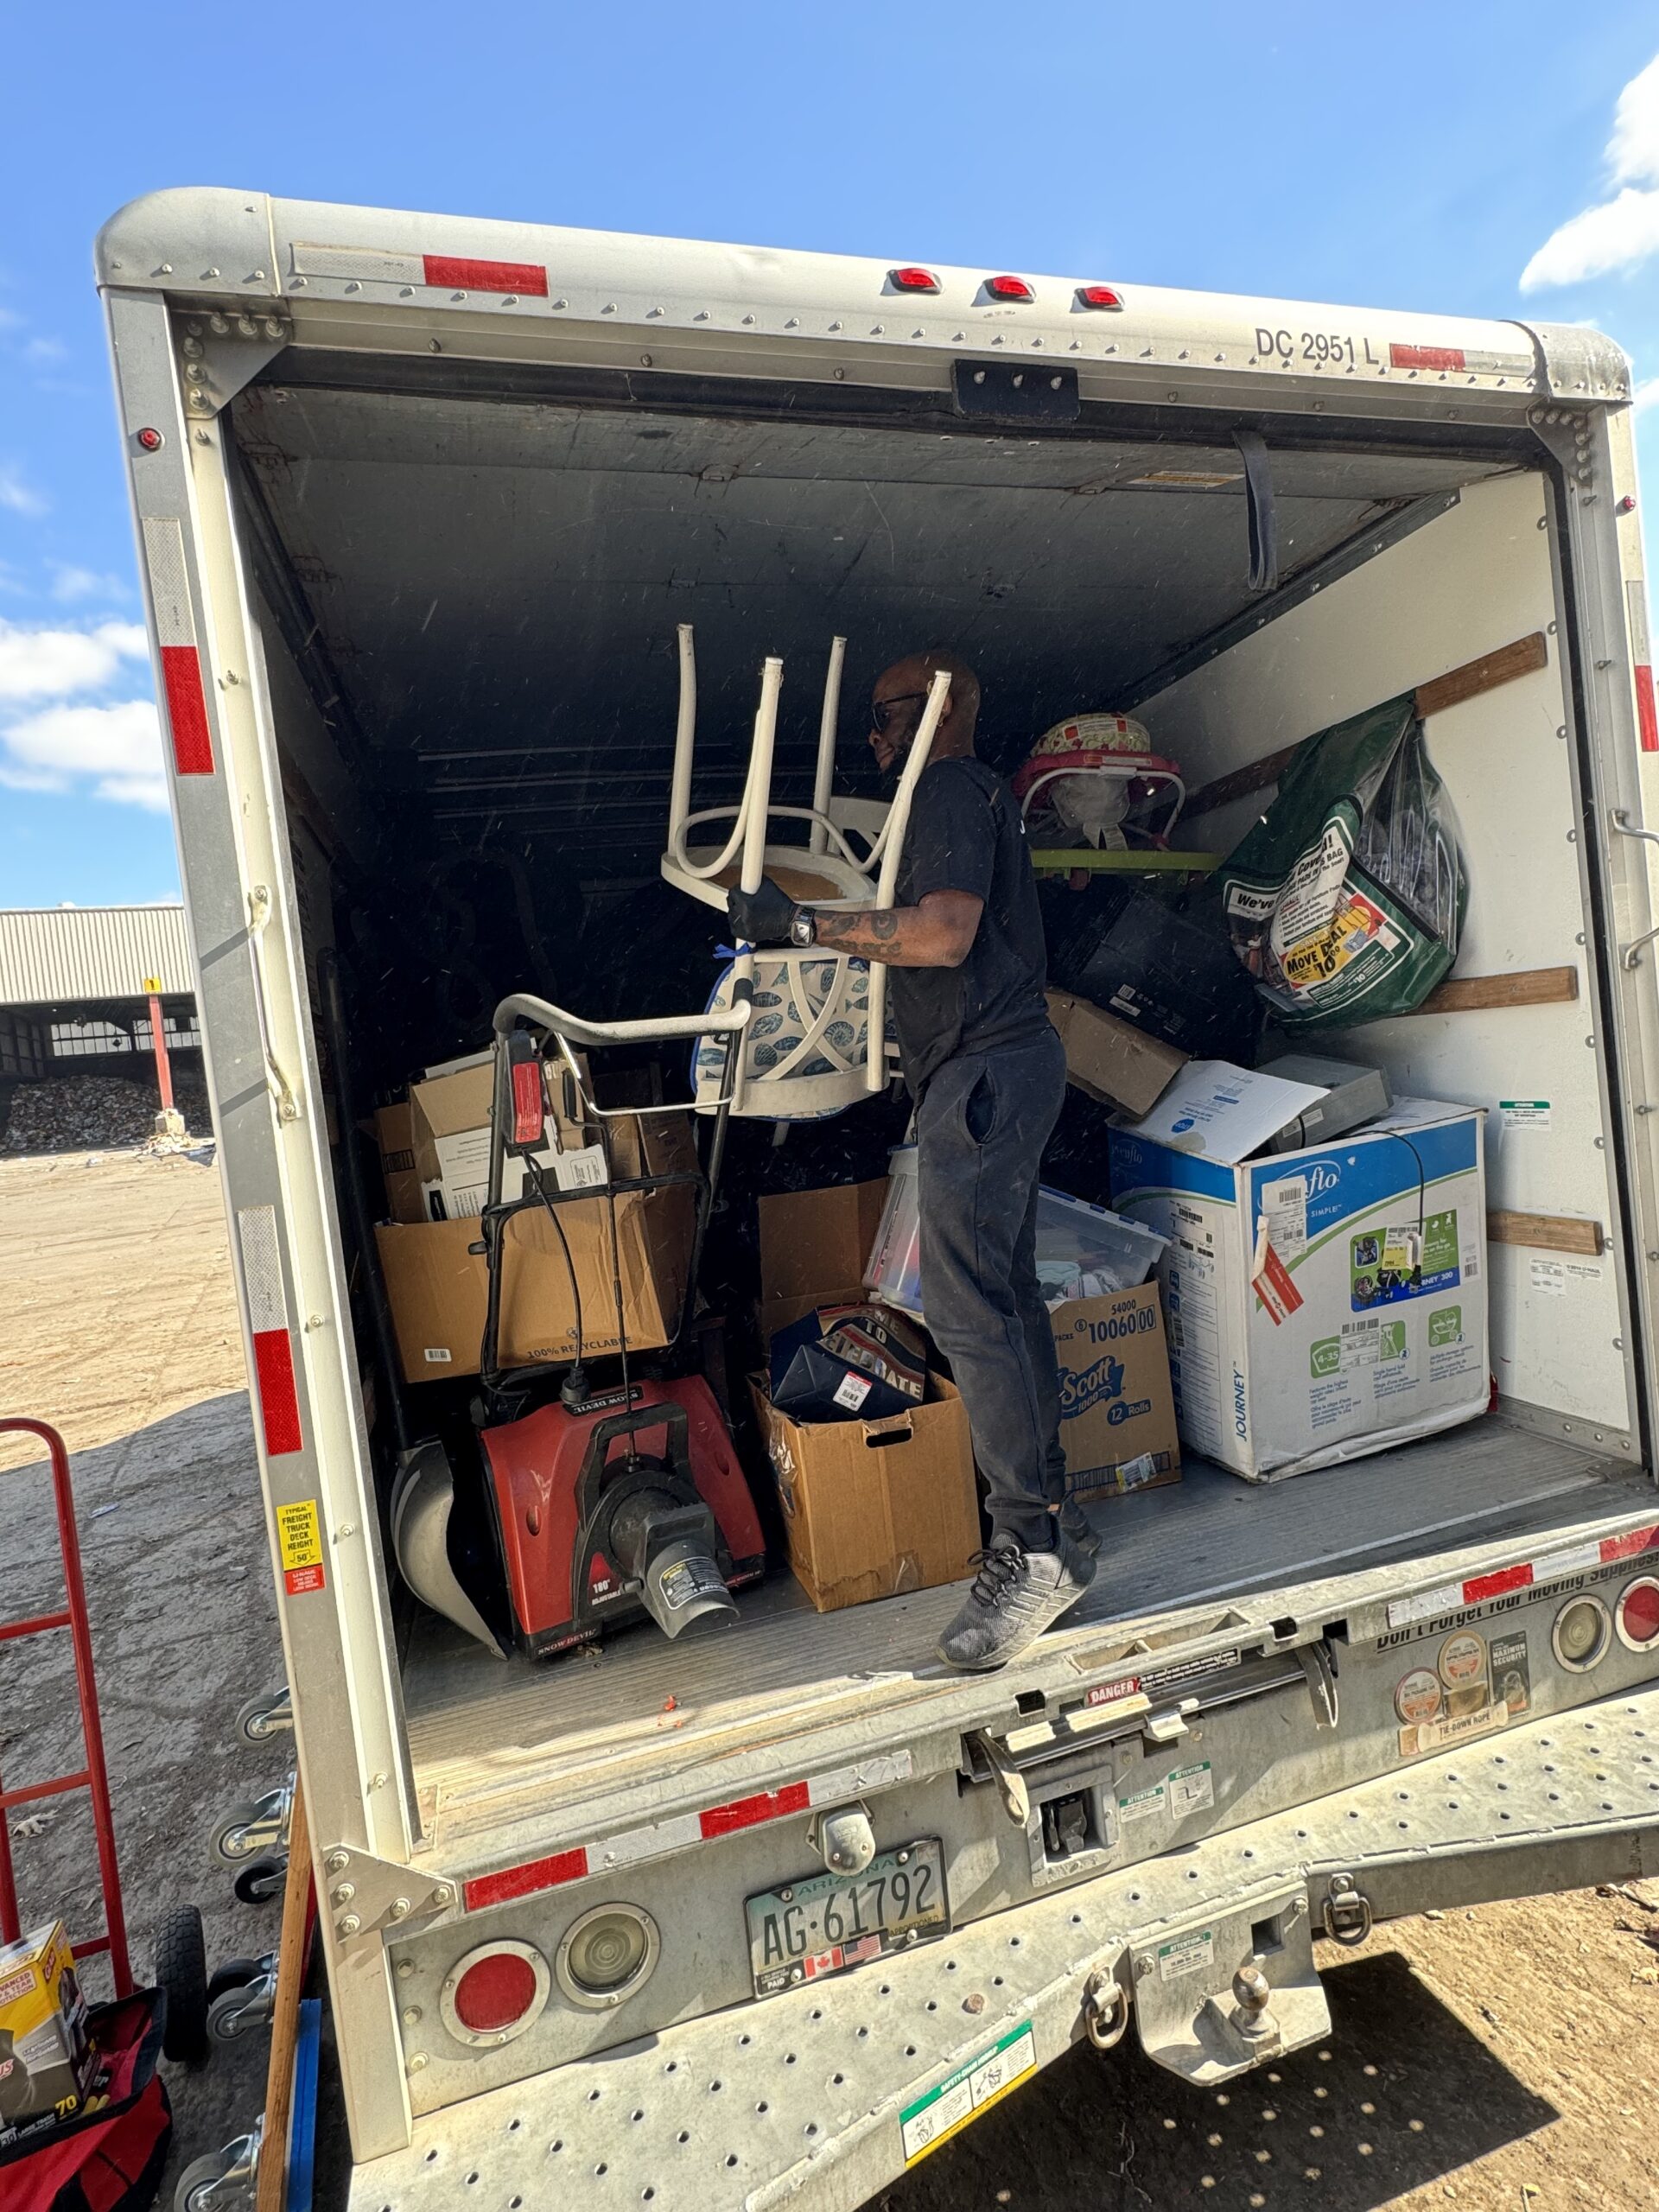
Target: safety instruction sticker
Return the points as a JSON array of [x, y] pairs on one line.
[[974, 2086], [689, 1580], [299, 1542], [1476, 1688], [1524, 1113], [1190, 1789], [1187, 1954], [1143, 1804]]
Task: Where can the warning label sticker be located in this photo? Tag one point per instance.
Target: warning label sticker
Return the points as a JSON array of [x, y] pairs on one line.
[[1187, 1954], [1190, 1789], [299, 1542], [963, 2094]]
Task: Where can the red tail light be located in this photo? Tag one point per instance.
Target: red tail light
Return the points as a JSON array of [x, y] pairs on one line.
[[1098, 295], [1637, 1616], [1008, 288], [912, 280], [495, 1993]]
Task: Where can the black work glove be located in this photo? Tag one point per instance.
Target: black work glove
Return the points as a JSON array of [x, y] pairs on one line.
[[762, 916]]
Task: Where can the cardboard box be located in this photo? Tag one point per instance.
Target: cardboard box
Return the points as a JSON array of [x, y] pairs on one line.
[[1321, 1304], [394, 1134], [871, 1509], [874, 1508], [1117, 1414], [450, 1115], [438, 1288], [1109, 1060], [47, 2064]]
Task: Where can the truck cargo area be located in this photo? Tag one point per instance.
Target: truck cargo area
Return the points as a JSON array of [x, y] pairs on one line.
[[467, 590]]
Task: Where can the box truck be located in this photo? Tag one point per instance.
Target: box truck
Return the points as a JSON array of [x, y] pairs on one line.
[[420, 503]]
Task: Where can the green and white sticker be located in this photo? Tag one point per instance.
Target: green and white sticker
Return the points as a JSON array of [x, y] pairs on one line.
[[1142, 1804], [1187, 1954], [1190, 1789], [1524, 1113], [966, 2092]]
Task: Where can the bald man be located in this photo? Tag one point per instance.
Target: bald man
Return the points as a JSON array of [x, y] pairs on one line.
[[964, 942]]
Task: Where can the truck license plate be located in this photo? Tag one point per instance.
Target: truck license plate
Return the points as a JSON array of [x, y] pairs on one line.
[[827, 1923]]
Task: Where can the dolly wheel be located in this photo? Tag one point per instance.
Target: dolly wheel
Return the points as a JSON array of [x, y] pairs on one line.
[[262, 1879], [194, 2183], [232, 1975], [182, 1972]]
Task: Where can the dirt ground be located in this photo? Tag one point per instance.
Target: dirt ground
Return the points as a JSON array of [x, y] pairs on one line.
[[1501, 2061]]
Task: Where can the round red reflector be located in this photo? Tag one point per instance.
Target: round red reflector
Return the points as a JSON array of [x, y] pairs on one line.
[[1008, 288], [1098, 295], [495, 1992], [151, 441], [1638, 1614], [913, 280]]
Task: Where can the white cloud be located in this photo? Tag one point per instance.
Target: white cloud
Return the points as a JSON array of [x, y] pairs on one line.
[[1622, 231], [1646, 396], [46, 349], [71, 583], [48, 664], [119, 748], [22, 498]]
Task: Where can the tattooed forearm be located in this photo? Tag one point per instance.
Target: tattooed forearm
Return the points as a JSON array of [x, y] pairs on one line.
[[935, 934]]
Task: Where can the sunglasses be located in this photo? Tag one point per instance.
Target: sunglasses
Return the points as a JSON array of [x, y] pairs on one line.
[[881, 709]]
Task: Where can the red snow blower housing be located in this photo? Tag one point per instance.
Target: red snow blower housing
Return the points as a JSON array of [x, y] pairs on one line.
[[624, 1501]]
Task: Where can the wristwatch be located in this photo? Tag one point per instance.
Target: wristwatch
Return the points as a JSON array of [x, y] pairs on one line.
[[803, 930]]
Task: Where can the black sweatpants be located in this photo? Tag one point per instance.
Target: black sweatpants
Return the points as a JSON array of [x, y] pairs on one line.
[[981, 1126]]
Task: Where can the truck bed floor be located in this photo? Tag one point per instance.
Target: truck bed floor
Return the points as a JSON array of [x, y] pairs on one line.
[[481, 1729]]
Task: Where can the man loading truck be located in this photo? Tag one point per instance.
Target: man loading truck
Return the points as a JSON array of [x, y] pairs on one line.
[[986, 1072]]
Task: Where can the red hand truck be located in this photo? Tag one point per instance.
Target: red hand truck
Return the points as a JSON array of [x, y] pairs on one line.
[[92, 1776]]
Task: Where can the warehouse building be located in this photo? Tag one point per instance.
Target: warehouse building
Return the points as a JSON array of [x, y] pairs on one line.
[[77, 988]]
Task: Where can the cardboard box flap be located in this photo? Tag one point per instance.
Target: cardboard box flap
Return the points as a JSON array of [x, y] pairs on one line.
[[1111, 1060], [1216, 1111], [814, 1243]]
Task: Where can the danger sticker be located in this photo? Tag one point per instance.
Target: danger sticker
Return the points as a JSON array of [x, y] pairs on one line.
[[299, 1543]]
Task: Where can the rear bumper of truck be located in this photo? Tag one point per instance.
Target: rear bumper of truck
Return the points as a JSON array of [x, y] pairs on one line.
[[827, 2093]]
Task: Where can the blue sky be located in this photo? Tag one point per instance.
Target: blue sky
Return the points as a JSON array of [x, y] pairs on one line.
[[1481, 159]]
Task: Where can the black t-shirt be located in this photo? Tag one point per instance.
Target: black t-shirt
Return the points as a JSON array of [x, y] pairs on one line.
[[965, 834]]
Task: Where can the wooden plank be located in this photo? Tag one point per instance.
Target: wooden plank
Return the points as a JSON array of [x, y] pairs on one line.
[[270, 2189], [1524, 657], [1239, 783], [1520, 987], [1053, 859], [1550, 1232]]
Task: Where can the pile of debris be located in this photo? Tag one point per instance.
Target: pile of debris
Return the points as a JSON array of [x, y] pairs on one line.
[[85, 1113]]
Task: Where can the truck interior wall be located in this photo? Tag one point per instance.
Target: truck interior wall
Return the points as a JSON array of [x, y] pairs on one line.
[[1476, 578]]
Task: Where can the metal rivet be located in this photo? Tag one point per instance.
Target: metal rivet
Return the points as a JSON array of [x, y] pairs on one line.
[[416, 2061], [344, 1893], [644, 360], [433, 347], [840, 376], [443, 1894], [412, 2015], [399, 1908], [349, 1925], [337, 1862], [405, 1968]]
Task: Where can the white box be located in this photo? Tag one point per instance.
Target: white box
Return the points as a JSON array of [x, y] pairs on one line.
[[1322, 1304]]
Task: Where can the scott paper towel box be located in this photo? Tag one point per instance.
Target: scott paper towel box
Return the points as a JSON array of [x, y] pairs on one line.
[[1321, 1304]]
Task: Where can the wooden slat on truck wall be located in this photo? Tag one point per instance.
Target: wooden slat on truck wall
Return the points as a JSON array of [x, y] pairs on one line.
[[1551, 1232], [1521, 987], [1523, 657]]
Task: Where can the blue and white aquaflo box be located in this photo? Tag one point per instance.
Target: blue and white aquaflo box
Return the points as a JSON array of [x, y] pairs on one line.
[[1324, 1304]]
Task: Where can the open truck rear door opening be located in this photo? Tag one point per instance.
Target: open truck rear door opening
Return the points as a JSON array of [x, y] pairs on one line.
[[421, 504]]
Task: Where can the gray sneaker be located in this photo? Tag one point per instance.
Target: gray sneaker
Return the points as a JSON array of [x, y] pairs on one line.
[[1016, 1595]]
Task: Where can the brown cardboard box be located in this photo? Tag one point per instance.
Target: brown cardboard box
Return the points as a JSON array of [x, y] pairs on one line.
[[871, 1509], [1109, 1059], [394, 1133], [437, 1287], [1117, 1413]]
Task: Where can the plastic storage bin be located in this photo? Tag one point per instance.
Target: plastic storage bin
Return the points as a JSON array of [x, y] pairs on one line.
[[1083, 1251]]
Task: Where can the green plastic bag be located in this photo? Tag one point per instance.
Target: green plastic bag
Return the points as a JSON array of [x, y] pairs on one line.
[[1346, 900]]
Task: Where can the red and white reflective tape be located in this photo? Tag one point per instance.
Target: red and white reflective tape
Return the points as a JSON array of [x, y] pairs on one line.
[[449, 272], [1452, 1596], [175, 634], [1647, 716], [273, 1343], [636, 1846], [1427, 357]]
